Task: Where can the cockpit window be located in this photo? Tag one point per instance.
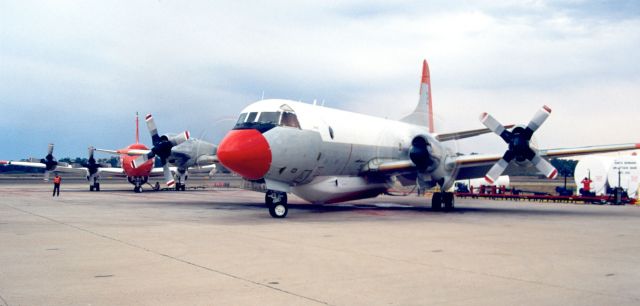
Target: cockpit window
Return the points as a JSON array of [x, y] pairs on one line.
[[264, 121], [290, 119], [269, 117], [252, 117], [242, 117]]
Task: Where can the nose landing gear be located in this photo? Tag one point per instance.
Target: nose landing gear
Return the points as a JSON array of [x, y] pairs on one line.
[[441, 199], [277, 203]]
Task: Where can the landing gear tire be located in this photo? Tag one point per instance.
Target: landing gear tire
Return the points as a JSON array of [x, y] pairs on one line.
[[277, 203], [448, 200], [90, 187], [278, 210], [137, 189], [436, 201]]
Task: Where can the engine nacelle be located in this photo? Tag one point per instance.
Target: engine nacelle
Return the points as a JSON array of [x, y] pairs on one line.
[[432, 162], [424, 155]]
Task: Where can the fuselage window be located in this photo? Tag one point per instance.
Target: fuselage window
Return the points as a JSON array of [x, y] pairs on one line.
[[252, 117], [269, 117], [290, 119], [242, 117]]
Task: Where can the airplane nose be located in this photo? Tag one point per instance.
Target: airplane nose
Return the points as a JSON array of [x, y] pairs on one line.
[[245, 152]]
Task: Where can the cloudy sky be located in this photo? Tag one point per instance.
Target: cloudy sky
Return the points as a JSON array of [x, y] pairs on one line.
[[75, 72]]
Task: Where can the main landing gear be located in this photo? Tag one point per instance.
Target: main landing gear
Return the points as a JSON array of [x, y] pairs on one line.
[[441, 199], [277, 203], [93, 182]]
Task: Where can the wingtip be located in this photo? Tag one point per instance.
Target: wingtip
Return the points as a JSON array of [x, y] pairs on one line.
[[148, 117], [637, 145], [547, 108], [553, 174], [483, 116], [4, 162], [171, 183]]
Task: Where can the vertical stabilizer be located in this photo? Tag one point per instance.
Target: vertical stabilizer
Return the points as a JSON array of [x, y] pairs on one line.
[[423, 114]]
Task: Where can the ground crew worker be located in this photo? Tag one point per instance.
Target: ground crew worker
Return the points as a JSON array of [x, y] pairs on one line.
[[56, 185], [586, 184]]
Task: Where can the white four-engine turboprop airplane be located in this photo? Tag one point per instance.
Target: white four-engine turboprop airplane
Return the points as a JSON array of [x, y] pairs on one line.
[[325, 155]]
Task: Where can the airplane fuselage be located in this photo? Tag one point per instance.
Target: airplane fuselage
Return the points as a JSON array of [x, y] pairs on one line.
[[142, 171], [320, 153]]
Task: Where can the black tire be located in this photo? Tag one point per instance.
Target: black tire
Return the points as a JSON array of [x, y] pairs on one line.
[[278, 210], [97, 187], [184, 187], [436, 201], [90, 187], [449, 201]]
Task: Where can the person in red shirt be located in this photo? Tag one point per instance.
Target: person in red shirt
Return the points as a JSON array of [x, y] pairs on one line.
[[586, 184], [56, 185]]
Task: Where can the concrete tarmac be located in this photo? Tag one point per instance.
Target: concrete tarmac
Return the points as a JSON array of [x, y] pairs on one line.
[[221, 247]]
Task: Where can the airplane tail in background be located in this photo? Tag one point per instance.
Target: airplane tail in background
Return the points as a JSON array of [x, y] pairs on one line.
[[423, 114], [137, 129]]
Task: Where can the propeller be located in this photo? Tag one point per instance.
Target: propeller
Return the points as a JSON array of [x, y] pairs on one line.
[[50, 162], [91, 165], [162, 146], [519, 145]]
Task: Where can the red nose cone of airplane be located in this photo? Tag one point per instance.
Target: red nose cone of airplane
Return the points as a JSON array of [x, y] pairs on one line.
[[245, 152]]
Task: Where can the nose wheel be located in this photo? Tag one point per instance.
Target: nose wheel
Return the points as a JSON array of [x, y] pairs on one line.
[[277, 203]]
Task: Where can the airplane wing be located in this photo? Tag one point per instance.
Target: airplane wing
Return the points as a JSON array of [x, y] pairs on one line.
[[126, 151], [109, 170], [23, 164], [62, 167], [465, 134], [476, 166], [159, 172]]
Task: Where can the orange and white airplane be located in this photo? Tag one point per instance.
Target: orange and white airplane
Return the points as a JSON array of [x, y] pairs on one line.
[[326, 155], [137, 175]]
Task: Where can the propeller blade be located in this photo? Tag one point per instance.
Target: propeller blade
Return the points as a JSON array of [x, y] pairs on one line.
[[539, 118], [46, 175], [168, 177], [180, 138], [138, 161], [153, 130], [495, 171], [50, 149], [544, 167], [492, 124]]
